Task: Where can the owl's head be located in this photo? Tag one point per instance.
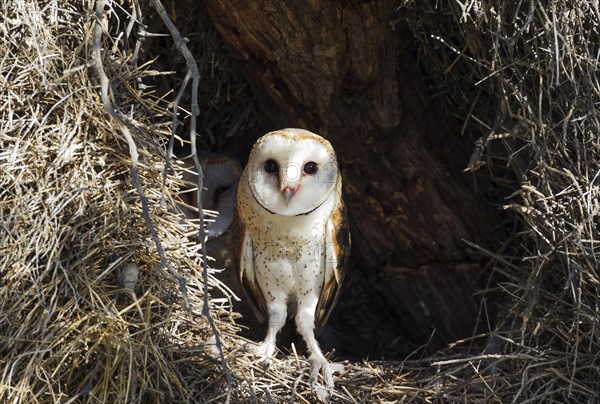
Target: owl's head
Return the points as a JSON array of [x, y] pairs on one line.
[[292, 171], [221, 177]]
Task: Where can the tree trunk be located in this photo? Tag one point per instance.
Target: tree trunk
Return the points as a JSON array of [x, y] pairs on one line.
[[343, 70]]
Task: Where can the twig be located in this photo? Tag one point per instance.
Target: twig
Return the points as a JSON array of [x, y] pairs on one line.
[[484, 357], [475, 161], [193, 70], [123, 123], [175, 123]]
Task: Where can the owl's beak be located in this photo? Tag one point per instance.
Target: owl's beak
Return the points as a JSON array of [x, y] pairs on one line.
[[289, 192]]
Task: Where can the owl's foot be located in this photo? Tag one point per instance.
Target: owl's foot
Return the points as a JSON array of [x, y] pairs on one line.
[[264, 351], [320, 363]]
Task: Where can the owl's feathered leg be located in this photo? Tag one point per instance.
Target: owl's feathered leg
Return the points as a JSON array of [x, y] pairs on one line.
[[305, 322], [277, 315]]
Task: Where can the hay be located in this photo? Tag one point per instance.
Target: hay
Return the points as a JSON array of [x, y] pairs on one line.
[[77, 322], [533, 69], [72, 220]]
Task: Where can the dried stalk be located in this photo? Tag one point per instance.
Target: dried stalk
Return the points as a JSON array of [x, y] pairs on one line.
[[123, 124], [194, 73], [62, 335]]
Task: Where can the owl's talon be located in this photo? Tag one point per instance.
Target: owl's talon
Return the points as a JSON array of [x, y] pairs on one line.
[[266, 364], [319, 363], [264, 351]]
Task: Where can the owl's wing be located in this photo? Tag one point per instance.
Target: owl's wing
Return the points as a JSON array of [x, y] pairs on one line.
[[246, 272], [337, 250]]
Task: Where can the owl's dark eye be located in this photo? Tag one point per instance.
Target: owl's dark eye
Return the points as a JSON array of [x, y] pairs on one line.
[[311, 167], [221, 190], [271, 166]]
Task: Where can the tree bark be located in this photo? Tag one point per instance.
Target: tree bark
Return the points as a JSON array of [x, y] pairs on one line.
[[344, 70]]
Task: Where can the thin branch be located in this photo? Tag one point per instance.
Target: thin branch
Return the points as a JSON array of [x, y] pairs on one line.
[[175, 123], [475, 161], [123, 125], [195, 110]]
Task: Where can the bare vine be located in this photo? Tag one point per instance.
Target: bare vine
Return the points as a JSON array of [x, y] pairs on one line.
[[124, 124], [195, 110]]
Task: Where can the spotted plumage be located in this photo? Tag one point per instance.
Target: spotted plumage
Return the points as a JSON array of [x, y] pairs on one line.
[[293, 236]]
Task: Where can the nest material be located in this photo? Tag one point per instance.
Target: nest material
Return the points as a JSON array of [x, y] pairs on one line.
[[524, 75], [71, 222], [77, 322]]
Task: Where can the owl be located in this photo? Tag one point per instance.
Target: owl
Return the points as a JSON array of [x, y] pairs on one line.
[[221, 177], [293, 238]]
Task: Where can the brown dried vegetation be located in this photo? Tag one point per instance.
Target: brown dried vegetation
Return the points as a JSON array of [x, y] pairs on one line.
[[522, 74]]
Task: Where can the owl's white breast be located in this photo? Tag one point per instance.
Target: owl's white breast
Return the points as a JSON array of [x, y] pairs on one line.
[[288, 251]]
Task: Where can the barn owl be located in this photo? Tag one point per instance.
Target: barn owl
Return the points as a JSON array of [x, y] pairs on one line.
[[293, 239], [221, 176]]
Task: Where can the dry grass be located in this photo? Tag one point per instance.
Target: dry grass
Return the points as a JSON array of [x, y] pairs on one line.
[[72, 223], [71, 220], [534, 68]]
